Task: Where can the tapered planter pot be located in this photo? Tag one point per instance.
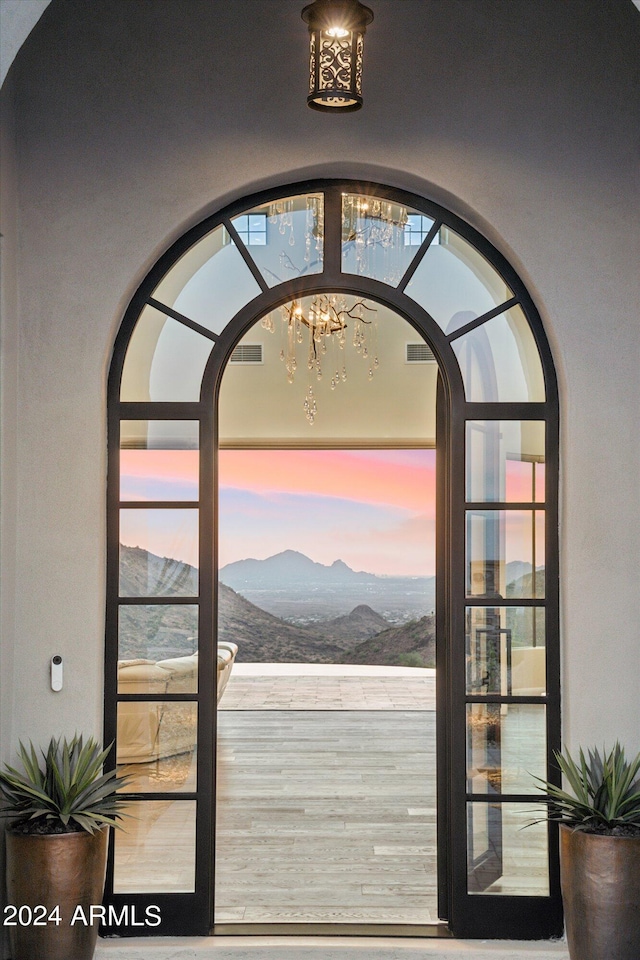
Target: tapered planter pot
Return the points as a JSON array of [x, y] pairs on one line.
[[56, 870], [600, 878]]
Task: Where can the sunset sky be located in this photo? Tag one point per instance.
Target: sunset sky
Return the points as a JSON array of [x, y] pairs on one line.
[[373, 509]]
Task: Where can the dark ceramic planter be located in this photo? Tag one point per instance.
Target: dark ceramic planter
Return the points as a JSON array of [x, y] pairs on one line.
[[601, 895], [58, 870]]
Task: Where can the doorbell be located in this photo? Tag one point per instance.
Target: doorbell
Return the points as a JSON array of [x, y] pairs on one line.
[[56, 672]]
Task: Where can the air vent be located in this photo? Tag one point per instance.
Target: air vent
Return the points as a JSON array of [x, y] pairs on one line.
[[419, 353], [247, 353]]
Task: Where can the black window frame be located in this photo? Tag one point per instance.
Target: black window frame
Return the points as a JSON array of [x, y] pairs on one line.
[[466, 915]]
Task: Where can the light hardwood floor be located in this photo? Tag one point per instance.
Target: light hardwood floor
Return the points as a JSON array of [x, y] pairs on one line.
[[326, 816]]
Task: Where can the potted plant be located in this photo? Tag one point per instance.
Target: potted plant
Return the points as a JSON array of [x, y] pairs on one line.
[[599, 853], [61, 811]]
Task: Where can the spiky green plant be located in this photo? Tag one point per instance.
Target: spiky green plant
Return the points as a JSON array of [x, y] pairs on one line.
[[69, 792], [605, 793]]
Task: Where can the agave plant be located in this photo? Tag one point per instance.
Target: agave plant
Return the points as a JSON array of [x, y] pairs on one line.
[[69, 792], [605, 794]]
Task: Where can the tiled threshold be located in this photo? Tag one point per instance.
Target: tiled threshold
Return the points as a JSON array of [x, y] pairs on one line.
[[326, 948]]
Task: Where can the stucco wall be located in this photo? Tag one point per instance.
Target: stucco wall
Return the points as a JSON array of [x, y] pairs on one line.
[[135, 119]]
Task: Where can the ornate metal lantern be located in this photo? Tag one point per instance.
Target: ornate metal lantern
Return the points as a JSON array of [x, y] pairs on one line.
[[337, 29]]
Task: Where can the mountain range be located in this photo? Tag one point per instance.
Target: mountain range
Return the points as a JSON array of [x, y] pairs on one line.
[[150, 631], [289, 567], [292, 586], [159, 631]]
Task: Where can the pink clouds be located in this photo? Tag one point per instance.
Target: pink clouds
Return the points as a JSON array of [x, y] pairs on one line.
[[398, 478], [374, 509]]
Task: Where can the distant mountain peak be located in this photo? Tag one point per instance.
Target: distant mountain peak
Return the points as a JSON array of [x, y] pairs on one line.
[[289, 566]]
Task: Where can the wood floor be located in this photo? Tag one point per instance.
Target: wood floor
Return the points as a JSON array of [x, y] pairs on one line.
[[326, 816], [326, 807], [308, 691]]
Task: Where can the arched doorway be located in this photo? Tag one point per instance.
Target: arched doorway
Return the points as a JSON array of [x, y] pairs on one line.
[[497, 593], [325, 792]]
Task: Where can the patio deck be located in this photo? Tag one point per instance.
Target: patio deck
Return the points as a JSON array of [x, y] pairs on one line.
[[326, 796]]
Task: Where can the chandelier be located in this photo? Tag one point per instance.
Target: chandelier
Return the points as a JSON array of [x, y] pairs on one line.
[[325, 323]]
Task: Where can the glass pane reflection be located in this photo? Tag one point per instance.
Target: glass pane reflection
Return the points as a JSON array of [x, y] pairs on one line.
[[158, 553], [502, 857], [505, 460], [157, 632], [506, 747], [499, 361], [156, 742], [505, 651], [165, 360], [503, 548], [210, 283], [380, 238], [455, 284], [159, 460], [155, 852], [285, 237]]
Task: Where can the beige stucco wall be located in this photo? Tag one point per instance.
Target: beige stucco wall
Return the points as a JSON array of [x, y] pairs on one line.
[[134, 119]]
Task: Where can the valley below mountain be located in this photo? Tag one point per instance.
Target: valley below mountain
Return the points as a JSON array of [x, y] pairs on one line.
[[157, 632], [361, 634], [295, 588]]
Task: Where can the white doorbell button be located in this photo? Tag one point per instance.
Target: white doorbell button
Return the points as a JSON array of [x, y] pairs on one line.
[[56, 672]]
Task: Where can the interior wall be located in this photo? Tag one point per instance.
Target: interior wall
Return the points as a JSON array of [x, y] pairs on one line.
[[135, 119], [257, 404]]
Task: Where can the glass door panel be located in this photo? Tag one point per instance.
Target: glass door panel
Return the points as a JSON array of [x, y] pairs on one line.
[[506, 747], [502, 860], [155, 852], [504, 548], [159, 460], [506, 651], [158, 553], [505, 461], [156, 745]]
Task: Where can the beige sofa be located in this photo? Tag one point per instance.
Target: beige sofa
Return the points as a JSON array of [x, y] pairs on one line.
[[150, 730], [528, 671]]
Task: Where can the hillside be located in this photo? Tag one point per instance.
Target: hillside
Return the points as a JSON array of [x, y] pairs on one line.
[[157, 632], [412, 645], [522, 586], [352, 628], [263, 638]]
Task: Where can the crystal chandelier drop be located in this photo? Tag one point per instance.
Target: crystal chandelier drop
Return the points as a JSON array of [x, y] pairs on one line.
[[376, 230], [280, 213], [325, 323]]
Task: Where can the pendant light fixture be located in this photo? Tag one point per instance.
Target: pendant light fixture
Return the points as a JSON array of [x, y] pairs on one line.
[[336, 29]]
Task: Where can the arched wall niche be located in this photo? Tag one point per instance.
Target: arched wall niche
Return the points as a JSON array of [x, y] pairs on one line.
[[497, 423]]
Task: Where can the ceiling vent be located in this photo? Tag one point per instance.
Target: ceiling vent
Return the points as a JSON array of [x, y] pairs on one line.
[[247, 353], [419, 353]]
